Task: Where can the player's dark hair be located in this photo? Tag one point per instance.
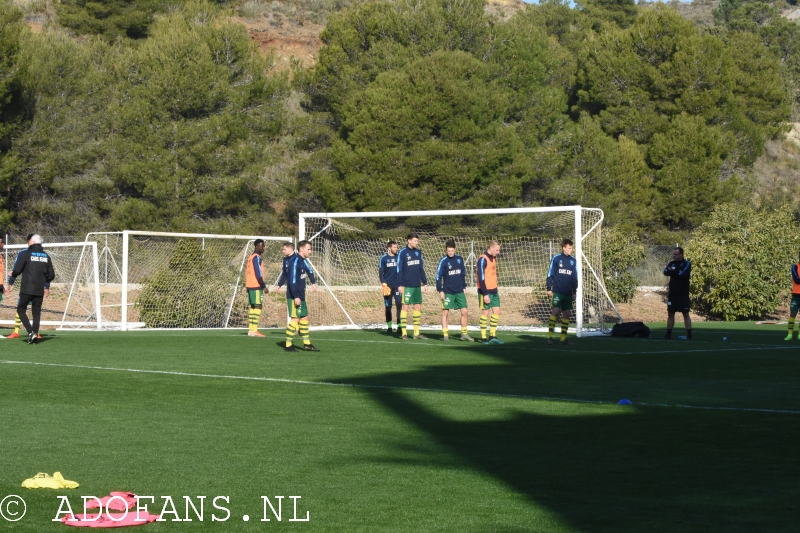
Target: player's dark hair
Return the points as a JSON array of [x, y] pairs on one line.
[[301, 244], [450, 244], [412, 235], [679, 249], [565, 242], [389, 244], [288, 244], [258, 241], [29, 237]]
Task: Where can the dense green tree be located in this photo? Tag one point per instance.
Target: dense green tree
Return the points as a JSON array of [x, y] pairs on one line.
[[569, 26], [171, 134], [192, 115], [368, 39], [584, 165], [740, 261], [11, 100], [622, 251], [622, 13], [781, 37], [424, 136], [694, 101], [537, 74], [687, 158], [60, 180], [109, 18]]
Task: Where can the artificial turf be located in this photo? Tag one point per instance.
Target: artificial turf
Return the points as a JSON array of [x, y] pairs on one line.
[[377, 434]]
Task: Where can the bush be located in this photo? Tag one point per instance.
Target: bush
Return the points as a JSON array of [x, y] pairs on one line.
[[740, 261], [187, 294], [621, 252]]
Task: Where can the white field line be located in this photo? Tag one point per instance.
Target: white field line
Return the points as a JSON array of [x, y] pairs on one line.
[[461, 344], [389, 387]]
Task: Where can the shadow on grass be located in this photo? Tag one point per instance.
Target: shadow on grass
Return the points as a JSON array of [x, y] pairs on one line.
[[637, 469], [647, 470]]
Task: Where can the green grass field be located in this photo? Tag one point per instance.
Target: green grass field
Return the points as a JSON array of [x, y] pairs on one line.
[[376, 434]]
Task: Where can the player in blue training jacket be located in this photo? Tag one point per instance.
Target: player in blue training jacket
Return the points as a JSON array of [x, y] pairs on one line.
[[288, 253], [387, 272], [411, 276], [451, 284], [679, 271], [299, 269], [562, 285]]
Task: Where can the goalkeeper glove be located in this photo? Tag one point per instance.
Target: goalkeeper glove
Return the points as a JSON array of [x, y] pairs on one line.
[[386, 290]]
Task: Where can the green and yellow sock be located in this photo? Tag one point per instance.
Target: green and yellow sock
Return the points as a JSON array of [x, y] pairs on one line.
[[417, 318], [564, 328], [252, 319], [403, 322], [291, 331], [17, 323], [551, 328], [493, 325], [445, 332], [303, 323], [463, 330], [791, 326], [484, 320]]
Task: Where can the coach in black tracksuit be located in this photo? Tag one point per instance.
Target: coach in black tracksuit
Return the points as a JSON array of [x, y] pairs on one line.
[[36, 269], [679, 271]]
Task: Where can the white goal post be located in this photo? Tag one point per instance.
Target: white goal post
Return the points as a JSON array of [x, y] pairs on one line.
[[163, 280], [348, 246], [75, 291]]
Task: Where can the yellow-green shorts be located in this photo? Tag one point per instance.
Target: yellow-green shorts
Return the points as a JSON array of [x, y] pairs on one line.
[[494, 301], [255, 296], [562, 301], [455, 301], [297, 311], [412, 295]]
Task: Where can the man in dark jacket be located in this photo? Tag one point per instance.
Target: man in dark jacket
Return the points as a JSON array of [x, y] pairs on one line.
[[562, 285], [36, 269], [679, 271]]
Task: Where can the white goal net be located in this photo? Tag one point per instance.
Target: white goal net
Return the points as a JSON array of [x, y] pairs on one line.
[[160, 280], [74, 299], [347, 248]]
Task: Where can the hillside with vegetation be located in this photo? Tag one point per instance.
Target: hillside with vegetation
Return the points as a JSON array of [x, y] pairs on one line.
[[226, 116]]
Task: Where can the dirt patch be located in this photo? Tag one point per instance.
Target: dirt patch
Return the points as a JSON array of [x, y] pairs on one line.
[[286, 40], [503, 9], [651, 306], [298, 37]]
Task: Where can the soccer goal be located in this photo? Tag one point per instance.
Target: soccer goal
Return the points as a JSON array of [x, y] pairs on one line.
[[74, 299], [348, 246], [160, 280]]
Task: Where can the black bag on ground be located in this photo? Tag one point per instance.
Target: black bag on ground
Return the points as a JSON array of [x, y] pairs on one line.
[[630, 329]]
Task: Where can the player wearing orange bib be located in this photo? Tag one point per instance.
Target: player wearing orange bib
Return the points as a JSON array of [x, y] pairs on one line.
[[254, 281], [3, 275], [795, 305], [488, 297]]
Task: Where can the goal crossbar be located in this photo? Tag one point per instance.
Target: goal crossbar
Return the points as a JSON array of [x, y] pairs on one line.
[[122, 267], [92, 245], [579, 234]]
